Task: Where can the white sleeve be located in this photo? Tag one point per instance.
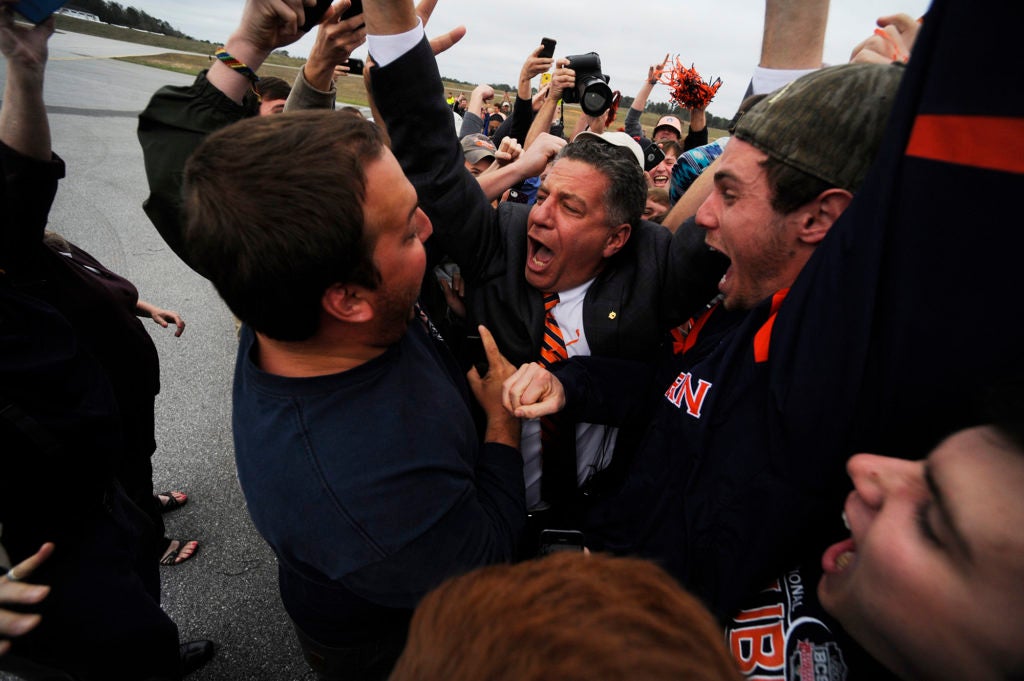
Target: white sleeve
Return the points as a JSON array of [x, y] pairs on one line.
[[769, 80], [387, 48]]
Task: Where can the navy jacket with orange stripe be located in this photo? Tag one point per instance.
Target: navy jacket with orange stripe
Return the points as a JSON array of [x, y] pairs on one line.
[[890, 339]]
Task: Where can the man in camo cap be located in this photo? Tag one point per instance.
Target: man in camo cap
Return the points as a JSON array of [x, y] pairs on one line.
[[716, 493]]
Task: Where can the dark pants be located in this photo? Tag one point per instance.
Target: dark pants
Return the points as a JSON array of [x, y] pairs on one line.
[[135, 473], [101, 620], [368, 662]]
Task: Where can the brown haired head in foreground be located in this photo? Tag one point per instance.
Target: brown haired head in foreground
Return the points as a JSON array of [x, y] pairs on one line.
[[274, 215], [568, 616]]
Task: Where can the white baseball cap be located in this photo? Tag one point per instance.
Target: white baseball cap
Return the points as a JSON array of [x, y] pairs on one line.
[[619, 139]]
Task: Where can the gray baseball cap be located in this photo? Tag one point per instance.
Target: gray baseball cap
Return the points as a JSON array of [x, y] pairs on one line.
[[477, 147], [828, 124]]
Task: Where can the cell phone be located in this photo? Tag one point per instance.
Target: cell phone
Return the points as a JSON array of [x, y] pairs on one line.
[[653, 155], [355, 8], [476, 354], [549, 47], [315, 14], [38, 11], [554, 541], [516, 196], [355, 65]]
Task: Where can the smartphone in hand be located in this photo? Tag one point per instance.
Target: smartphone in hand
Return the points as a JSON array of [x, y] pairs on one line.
[[549, 48], [355, 8], [315, 14]]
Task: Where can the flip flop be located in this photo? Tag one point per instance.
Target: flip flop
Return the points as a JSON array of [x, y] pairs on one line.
[[175, 500], [182, 552]]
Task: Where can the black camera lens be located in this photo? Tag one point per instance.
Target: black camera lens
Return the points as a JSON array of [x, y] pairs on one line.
[[591, 92], [596, 97]]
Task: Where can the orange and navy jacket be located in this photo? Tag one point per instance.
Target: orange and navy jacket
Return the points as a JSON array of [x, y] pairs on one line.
[[890, 339]]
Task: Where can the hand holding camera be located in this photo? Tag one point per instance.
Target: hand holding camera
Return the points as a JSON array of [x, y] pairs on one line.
[[590, 89], [562, 79]]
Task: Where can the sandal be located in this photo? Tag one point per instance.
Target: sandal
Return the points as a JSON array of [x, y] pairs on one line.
[[176, 555], [175, 500]]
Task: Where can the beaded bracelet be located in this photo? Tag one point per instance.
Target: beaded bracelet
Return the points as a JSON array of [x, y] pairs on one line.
[[238, 66]]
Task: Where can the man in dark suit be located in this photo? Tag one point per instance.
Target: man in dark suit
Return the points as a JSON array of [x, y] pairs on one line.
[[621, 281]]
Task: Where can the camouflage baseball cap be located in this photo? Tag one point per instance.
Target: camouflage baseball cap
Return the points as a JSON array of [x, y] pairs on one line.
[[828, 124]]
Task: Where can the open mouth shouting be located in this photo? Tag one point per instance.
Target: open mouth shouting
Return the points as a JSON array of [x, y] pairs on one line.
[[538, 255], [840, 555], [724, 281]]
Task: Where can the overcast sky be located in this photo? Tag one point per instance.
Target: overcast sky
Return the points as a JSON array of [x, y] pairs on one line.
[[720, 37]]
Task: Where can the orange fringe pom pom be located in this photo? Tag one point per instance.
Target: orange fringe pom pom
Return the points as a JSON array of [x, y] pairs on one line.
[[689, 90]]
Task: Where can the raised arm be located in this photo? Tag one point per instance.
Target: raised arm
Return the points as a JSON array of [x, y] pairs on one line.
[[465, 225], [23, 123], [792, 44], [794, 34], [391, 17], [29, 170], [265, 26], [697, 135], [335, 41], [636, 109], [473, 119], [519, 123], [529, 163], [177, 119], [561, 79]]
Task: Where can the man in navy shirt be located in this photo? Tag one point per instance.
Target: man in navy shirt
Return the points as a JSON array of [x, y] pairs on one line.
[[356, 447]]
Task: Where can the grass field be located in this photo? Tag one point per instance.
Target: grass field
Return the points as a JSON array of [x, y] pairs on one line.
[[350, 89]]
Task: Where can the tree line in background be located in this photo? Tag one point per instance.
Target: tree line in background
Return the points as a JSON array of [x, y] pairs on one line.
[[116, 13]]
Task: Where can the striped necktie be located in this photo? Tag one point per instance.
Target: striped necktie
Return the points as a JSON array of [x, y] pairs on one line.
[[552, 347], [557, 435]]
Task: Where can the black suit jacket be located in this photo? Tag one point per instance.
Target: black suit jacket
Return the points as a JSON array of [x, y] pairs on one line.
[[656, 281]]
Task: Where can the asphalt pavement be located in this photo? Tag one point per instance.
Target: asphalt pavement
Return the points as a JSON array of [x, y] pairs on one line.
[[228, 591]]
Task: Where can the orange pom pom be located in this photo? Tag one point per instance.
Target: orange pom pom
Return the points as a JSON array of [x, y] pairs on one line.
[[689, 90]]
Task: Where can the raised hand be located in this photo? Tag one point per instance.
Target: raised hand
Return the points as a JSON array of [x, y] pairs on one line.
[[335, 41], [654, 72], [269, 24], [24, 46], [891, 41]]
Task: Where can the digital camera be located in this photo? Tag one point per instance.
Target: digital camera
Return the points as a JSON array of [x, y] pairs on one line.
[[591, 92]]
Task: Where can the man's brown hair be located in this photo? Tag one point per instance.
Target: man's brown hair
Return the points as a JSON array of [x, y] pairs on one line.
[[274, 215], [569, 617]]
